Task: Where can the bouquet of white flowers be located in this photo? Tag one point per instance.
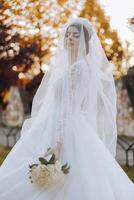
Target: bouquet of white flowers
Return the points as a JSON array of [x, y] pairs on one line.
[[46, 174]]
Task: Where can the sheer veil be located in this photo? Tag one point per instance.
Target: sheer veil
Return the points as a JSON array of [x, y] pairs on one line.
[[76, 105], [79, 81]]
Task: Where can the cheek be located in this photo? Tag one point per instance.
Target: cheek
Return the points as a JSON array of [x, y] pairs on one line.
[[77, 42], [65, 42]]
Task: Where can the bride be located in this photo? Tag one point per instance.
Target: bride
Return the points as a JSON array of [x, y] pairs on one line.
[[74, 113]]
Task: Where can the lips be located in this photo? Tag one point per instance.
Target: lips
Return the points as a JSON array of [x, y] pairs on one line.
[[70, 43]]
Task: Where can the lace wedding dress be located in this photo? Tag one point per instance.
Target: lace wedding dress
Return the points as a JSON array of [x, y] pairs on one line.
[[76, 105]]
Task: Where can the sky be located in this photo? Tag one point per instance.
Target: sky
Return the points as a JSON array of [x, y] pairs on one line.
[[119, 12]]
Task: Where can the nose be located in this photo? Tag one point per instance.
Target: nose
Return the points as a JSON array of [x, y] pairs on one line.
[[70, 37]]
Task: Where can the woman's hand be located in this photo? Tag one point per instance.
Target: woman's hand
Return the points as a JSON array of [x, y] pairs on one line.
[[55, 150]]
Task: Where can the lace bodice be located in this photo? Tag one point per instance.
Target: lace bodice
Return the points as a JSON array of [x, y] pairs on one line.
[[71, 95], [78, 87]]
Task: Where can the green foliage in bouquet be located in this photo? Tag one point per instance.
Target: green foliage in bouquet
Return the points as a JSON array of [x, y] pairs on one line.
[[65, 168]]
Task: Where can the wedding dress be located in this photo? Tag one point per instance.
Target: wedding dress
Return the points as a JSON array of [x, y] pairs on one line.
[[76, 105]]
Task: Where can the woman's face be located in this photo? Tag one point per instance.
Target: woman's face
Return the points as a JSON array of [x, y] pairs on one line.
[[72, 39]]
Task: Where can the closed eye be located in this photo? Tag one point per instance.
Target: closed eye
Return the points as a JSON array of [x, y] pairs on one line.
[[75, 34]]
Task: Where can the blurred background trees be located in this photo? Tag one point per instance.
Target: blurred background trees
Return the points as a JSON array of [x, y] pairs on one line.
[[110, 41], [29, 32]]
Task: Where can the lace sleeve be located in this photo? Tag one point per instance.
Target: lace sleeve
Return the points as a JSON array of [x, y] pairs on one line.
[[60, 115], [60, 128], [84, 104]]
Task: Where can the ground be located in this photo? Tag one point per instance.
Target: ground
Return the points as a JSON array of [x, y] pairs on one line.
[[3, 153]]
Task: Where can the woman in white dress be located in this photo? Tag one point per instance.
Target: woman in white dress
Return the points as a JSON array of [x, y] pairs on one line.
[[74, 112]]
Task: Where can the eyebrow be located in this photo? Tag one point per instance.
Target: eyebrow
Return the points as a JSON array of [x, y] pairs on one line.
[[73, 32]]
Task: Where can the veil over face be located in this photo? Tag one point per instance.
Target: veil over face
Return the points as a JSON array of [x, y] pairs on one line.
[[80, 80]]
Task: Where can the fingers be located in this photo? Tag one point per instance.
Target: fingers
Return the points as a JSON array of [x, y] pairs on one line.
[[48, 152], [55, 149]]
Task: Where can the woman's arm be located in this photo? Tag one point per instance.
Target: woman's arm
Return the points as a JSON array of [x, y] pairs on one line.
[[59, 121]]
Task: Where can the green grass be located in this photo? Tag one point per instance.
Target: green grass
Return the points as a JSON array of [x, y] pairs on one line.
[[3, 153], [5, 150], [129, 171]]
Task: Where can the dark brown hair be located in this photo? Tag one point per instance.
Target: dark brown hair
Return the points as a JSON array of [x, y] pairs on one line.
[[86, 35]]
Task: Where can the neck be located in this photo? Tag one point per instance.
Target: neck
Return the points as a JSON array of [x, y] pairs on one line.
[[72, 57]]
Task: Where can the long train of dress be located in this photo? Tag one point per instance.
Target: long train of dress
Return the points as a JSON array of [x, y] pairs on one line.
[[94, 173]]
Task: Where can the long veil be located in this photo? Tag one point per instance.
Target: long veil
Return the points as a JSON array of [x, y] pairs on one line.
[[75, 104], [80, 82], [96, 83]]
